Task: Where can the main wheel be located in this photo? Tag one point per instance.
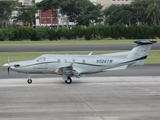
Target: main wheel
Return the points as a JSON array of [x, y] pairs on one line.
[[69, 80], [29, 81]]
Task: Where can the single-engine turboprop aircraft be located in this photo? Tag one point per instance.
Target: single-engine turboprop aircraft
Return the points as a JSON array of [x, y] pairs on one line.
[[76, 65]]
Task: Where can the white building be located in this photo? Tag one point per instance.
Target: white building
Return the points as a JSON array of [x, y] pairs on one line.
[[107, 3], [26, 2]]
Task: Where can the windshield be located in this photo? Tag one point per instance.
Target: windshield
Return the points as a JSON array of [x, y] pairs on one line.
[[41, 59]]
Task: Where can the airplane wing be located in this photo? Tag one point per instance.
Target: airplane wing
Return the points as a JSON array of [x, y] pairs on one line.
[[67, 70], [62, 69]]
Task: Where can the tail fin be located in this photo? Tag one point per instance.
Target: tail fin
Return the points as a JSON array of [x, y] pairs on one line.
[[140, 52]]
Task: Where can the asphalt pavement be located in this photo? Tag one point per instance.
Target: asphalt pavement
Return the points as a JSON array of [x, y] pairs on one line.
[[55, 48]]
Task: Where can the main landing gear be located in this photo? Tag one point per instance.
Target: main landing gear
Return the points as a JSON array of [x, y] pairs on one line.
[[69, 80], [29, 81]]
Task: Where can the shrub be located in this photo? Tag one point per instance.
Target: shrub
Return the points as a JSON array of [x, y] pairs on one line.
[[34, 36], [89, 33], [9, 33], [42, 32], [2, 36], [52, 34], [79, 31]]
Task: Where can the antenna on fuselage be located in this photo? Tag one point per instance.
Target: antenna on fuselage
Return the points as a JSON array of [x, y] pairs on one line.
[[90, 53]]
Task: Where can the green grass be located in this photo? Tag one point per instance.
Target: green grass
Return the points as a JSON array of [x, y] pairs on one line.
[[64, 42], [153, 58]]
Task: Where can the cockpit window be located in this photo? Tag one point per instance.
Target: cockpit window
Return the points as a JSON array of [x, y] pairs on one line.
[[41, 59]]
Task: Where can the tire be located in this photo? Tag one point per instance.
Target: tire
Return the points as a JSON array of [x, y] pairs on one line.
[[29, 81], [69, 80]]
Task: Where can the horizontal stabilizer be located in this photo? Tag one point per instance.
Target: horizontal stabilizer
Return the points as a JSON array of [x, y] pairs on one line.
[[144, 42]]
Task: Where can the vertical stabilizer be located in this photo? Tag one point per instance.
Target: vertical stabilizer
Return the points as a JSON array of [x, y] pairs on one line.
[[140, 52]]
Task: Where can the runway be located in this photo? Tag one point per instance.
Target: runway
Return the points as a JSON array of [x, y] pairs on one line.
[[101, 98], [54, 48]]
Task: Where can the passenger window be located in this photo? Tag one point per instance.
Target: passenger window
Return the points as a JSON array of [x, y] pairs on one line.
[[58, 60], [65, 60], [83, 61]]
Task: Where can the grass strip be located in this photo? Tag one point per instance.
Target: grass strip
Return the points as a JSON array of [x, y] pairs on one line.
[[64, 42]]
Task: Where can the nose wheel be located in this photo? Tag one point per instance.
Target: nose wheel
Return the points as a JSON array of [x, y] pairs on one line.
[[29, 81], [69, 80]]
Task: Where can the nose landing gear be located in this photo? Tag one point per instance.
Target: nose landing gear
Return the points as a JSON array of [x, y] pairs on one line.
[[29, 81]]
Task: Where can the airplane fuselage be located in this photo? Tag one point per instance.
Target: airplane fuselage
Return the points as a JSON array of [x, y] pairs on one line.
[[48, 64]]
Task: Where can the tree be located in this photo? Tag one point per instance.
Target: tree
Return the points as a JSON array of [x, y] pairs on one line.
[[6, 9], [118, 14], [82, 12], [91, 15], [26, 14], [140, 12], [153, 12]]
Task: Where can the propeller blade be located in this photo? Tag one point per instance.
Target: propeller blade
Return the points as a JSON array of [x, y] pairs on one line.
[[8, 60], [8, 70], [7, 65]]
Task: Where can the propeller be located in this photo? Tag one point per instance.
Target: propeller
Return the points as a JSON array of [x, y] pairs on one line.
[[7, 65], [8, 70]]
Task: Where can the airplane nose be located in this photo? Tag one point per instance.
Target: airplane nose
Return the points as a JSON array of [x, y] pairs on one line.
[[6, 65]]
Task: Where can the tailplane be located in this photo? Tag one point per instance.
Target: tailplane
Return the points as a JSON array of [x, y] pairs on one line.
[[140, 52]]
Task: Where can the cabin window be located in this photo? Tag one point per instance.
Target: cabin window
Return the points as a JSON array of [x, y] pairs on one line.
[[83, 61], [73, 60], [58, 60], [65, 60]]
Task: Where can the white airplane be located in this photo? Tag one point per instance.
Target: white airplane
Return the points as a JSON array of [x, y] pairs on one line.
[[77, 65]]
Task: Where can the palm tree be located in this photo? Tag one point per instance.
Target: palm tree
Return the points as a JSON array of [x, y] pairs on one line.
[[153, 12]]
